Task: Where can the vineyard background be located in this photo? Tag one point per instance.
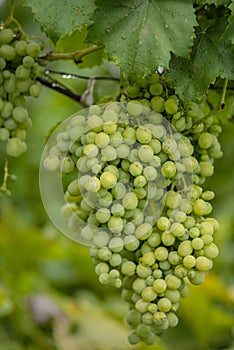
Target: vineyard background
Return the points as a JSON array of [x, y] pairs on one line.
[[50, 297]]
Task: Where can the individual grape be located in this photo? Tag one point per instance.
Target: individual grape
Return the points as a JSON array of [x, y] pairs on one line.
[[169, 169], [164, 305], [108, 180], [160, 285], [134, 108], [156, 89], [7, 52], [15, 147], [4, 134], [51, 162], [145, 153], [203, 263], [103, 215], [171, 106], [33, 49], [143, 135], [6, 36]]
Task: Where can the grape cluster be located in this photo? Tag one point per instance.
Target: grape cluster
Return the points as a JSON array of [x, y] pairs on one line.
[[19, 67], [134, 197]]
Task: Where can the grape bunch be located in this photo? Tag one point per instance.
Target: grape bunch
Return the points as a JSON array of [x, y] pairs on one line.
[[19, 68], [133, 193]]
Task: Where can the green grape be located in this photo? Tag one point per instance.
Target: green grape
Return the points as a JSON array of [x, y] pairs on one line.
[[156, 89], [205, 140], [6, 36], [164, 305], [101, 239], [22, 72], [161, 253], [143, 231], [159, 285], [51, 162], [103, 215], [20, 114], [169, 169], [33, 49], [145, 153], [108, 180], [35, 90], [7, 52], [115, 224], [157, 104], [171, 106], [143, 135], [128, 268], [4, 134], [15, 147], [134, 108]]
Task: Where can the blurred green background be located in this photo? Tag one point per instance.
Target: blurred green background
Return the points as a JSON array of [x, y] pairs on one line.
[[50, 297]]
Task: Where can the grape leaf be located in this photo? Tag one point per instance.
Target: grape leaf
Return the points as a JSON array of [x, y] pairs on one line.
[[58, 18], [210, 2], [211, 57], [229, 35], [141, 34]]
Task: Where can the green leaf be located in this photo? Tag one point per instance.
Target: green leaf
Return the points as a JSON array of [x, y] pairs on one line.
[[58, 18], [210, 2], [141, 34], [211, 57], [229, 35]]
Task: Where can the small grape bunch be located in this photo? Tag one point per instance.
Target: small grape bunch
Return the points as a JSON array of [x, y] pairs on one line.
[[19, 67]]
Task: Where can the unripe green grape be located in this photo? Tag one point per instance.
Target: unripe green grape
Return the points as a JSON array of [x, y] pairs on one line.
[[51, 162], [6, 36], [35, 90], [164, 305], [4, 134], [161, 254], [140, 181], [180, 271], [117, 209], [7, 52], [136, 168], [10, 124], [128, 268], [67, 165], [205, 140], [104, 254], [173, 200], [177, 229], [123, 151], [171, 106], [189, 261], [2, 64], [103, 215], [101, 239], [201, 207], [155, 145], [130, 201], [211, 251], [21, 47], [169, 146], [23, 86], [207, 239], [143, 231], [115, 224], [149, 294], [169, 169], [185, 248], [159, 285], [33, 49], [197, 277], [143, 271], [203, 263], [22, 72], [131, 243], [143, 135], [206, 169], [104, 278], [115, 260], [154, 240], [108, 180], [197, 243], [156, 89], [20, 114], [172, 295], [145, 153], [174, 258], [15, 147], [109, 127], [134, 108], [168, 239], [148, 259], [157, 104], [28, 62], [139, 285], [7, 110], [150, 173], [163, 223], [102, 139], [10, 85], [129, 135]]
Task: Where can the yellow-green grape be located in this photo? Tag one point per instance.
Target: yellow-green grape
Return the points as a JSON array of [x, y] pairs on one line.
[[134, 108]]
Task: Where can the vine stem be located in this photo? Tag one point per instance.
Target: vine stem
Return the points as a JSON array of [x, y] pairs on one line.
[[76, 56], [11, 19], [5, 177]]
